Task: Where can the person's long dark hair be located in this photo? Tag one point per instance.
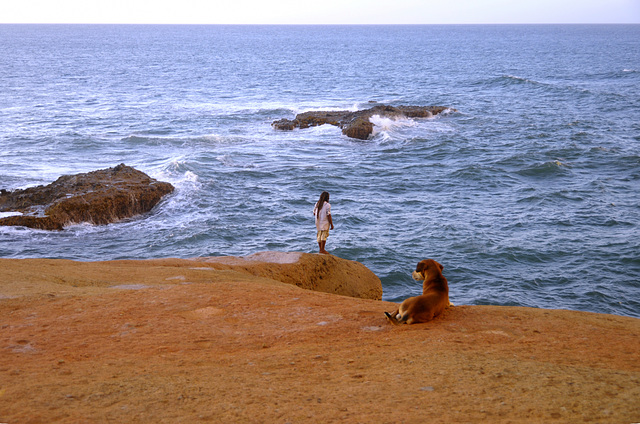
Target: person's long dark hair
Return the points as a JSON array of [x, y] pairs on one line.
[[324, 197]]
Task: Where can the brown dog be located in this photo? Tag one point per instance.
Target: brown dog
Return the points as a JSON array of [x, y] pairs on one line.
[[434, 299]]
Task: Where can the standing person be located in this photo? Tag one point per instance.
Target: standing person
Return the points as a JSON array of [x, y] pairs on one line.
[[322, 212]]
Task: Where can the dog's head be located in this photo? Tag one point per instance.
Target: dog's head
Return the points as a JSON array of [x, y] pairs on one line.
[[425, 268]]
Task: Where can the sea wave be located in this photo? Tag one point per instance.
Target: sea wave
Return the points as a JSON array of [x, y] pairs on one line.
[[177, 171], [545, 169], [386, 128], [555, 85], [520, 80]]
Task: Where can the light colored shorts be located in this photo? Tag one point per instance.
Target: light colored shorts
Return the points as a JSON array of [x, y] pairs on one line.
[[322, 235]]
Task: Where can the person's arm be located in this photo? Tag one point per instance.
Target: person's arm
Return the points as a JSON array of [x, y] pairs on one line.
[[330, 220]]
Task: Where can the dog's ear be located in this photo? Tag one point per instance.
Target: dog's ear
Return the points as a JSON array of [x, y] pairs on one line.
[[439, 265]]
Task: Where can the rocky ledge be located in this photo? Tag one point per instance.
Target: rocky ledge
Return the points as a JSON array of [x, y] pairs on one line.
[[98, 197], [206, 340], [356, 124], [323, 273]]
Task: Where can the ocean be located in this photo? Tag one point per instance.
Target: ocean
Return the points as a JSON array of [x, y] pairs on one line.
[[528, 193]]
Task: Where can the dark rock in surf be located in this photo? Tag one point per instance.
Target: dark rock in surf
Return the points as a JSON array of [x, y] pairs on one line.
[[356, 124], [98, 197]]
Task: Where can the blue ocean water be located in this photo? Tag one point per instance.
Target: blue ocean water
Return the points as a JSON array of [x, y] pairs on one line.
[[528, 195]]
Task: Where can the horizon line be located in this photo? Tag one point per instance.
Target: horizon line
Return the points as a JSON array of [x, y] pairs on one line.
[[317, 24]]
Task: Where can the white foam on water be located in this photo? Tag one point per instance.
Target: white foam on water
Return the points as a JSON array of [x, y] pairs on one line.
[[517, 78], [225, 160], [213, 138], [317, 107], [8, 214], [173, 170], [387, 127], [322, 130], [81, 228]]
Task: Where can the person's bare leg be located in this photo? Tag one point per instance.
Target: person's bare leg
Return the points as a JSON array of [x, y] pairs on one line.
[[322, 244]]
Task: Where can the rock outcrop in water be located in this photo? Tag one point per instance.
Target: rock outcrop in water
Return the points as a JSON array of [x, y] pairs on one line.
[[98, 197], [356, 124]]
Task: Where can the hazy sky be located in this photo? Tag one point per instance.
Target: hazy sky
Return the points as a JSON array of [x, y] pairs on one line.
[[319, 11]]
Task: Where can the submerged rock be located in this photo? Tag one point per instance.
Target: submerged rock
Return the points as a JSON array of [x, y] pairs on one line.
[[356, 124], [98, 197]]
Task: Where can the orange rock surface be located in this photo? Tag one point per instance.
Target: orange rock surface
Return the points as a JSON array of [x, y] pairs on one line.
[[179, 341]]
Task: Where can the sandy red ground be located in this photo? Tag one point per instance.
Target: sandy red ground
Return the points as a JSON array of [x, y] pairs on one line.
[[167, 342]]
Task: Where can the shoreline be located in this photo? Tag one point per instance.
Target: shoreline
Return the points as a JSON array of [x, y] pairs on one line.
[[165, 340]]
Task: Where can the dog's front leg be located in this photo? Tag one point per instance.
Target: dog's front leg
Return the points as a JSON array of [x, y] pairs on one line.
[[392, 317]]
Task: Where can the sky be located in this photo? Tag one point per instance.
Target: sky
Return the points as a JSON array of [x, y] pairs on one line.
[[320, 11]]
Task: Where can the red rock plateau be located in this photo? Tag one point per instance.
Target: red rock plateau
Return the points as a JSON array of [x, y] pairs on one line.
[[224, 340], [356, 124], [98, 197]]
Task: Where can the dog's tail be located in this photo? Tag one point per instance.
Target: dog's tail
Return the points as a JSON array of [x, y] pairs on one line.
[[393, 318]]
